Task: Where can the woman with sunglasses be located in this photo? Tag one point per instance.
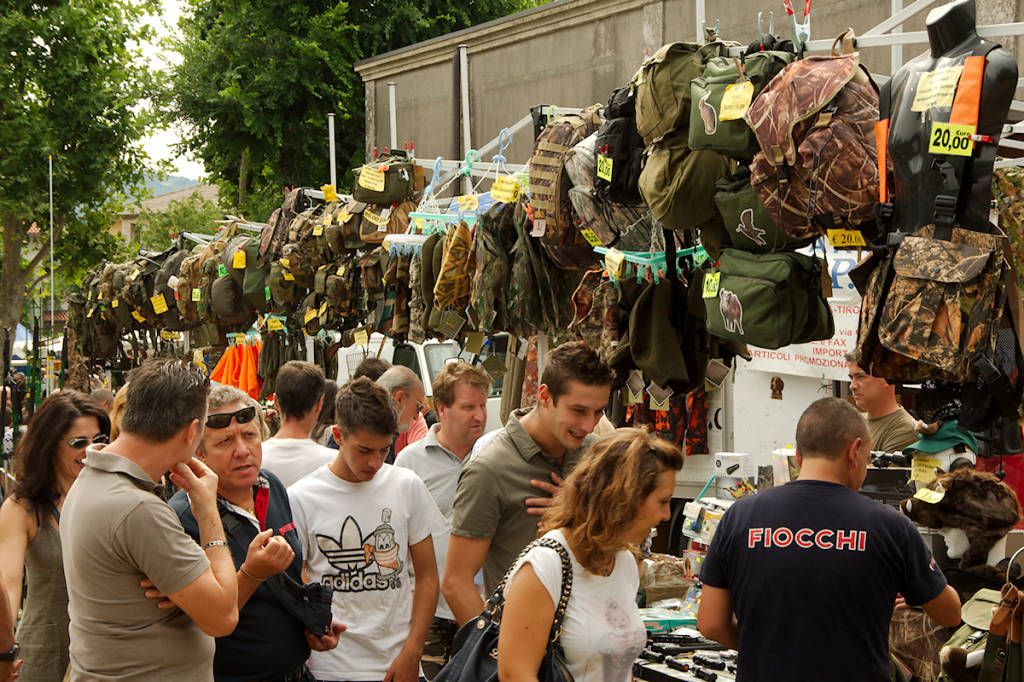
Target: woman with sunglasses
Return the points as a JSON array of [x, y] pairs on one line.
[[47, 462]]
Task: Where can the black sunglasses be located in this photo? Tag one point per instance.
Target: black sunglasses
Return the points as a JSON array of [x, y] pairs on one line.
[[82, 441], [222, 420]]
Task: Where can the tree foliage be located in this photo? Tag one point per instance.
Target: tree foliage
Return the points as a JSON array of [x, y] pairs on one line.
[[258, 79], [71, 86], [192, 214]]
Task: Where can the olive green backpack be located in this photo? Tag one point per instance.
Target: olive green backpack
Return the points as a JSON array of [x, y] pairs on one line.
[[746, 223], [678, 184]]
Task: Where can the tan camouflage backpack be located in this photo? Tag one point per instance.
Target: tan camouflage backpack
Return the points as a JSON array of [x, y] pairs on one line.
[[553, 220], [818, 166]]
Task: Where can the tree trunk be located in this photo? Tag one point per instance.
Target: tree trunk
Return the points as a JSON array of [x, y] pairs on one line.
[[14, 277], [243, 174]]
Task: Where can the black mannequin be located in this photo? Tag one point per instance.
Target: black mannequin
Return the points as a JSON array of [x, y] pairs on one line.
[[915, 182]]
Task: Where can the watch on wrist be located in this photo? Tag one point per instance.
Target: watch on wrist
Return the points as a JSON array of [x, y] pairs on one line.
[[10, 655]]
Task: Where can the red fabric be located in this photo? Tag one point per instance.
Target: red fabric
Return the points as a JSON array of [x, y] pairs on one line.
[[417, 431], [1013, 465]]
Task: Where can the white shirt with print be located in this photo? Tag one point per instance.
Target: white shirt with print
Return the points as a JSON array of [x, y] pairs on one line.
[[602, 632], [356, 538]]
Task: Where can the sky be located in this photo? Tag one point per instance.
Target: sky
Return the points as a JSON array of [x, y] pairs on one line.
[[158, 145]]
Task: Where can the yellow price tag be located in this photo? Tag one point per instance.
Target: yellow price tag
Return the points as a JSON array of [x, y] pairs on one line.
[[159, 304], [322, 309], [604, 167], [115, 303], [372, 179], [736, 101], [138, 316], [310, 314], [169, 336], [240, 339], [844, 238], [91, 311], [951, 138], [238, 260], [505, 190], [274, 324], [923, 469], [328, 219], [613, 262], [930, 496], [345, 217], [197, 294], [591, 237], [289, 277], [284, 263], [330, 194], [419, 225], [375, 218], [468, 202], [341, 270], [711, 281], [318, 230], [361, 337]]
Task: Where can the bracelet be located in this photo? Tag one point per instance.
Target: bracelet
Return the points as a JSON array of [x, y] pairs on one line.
[[215, 543], [249, 576]]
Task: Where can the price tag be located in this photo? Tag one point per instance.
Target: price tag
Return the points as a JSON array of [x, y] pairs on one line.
[[524, 348], [711, 280], [310, 314], [372, 179], [221, 270], [495, 367], [330, 194], [159, 304], [540, 226], [138, 316], [239, 339], [322, 309], [951, 138], [284, 263], [93, 310], [604, 167], [100, 296], [505, 190], [115, 303], [197, 356], [844, 238], [936, 88], [361, 337], [345, 217], [238, 260], [451, 324], [469, 202], [736, 101], [930, 496], [376, 218], [591, 237], [613, 262], [274, 324], [266, 292], [197, 294], [923, 469], [474, 342], [135, 273], [327, 220], [318, 230], [169, 336], [288, 277]]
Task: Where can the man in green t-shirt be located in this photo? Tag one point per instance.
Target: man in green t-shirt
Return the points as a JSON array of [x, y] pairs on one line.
[[891, 426]]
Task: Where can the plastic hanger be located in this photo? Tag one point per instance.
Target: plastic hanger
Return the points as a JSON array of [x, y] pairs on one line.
[[802, 30]]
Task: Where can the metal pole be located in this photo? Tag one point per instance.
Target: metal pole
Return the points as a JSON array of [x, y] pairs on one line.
[[896, 51], [330, 135], [49, 378], [393, 115], [464, 97], [701, 18]]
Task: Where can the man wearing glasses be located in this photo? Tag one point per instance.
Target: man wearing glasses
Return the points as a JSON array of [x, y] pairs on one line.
[[299, 393], [117, 532], [270, 642], [410, 400]]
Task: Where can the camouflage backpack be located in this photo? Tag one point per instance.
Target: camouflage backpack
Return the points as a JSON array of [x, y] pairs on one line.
[[189, 281], [275, 234], [301, 251], [166, 283], [329, 240], [549, 189], [817, 167], [381, 221], [343, 291]]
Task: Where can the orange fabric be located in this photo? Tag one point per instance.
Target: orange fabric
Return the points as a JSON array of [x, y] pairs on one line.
[[882, 144], [221, 370], [967, 100]]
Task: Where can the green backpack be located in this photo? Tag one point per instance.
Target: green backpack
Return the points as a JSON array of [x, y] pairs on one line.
[[678, 184], [663, 87], [254, 277], [746, 223], [972, 635], [732, 137], [767, 300]]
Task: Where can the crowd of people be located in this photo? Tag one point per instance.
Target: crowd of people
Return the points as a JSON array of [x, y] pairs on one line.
[[175, 539]]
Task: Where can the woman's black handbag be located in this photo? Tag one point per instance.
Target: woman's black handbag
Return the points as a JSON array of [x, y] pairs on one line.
[[475, 657]]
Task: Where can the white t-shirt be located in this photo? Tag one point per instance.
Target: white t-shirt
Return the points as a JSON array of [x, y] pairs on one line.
[[292, 458], [356, 538], [602, 632]]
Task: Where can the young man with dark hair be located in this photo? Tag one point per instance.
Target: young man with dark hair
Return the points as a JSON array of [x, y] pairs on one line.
[[116, 532], [537, 448], [362, 523], [815, 562], [291, 453], [891, 426]]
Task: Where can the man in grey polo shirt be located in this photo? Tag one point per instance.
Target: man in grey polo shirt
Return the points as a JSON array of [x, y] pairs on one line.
[[460, 398], [491, 522], [117, 533]]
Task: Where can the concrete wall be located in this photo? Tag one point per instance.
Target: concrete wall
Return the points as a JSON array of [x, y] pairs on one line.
[[573, 53]]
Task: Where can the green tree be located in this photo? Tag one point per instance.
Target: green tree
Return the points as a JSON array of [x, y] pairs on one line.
[[257, 81], [192, 214], [72, 85]]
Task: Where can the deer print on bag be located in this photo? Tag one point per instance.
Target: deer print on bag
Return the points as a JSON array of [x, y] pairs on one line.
[[732, 311]]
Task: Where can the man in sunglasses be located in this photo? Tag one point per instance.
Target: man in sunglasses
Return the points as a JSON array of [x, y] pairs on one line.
[[291, 454], [117, 532], [410, 400], [270, 643]]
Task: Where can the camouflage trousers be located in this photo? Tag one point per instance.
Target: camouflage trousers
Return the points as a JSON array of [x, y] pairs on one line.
[[437, 648]]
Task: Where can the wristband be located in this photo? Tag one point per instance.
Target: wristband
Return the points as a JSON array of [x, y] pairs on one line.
[[215, 543], [249, 576]]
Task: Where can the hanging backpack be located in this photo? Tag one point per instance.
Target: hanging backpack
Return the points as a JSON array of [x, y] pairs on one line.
[[389, 180], [230, 309], [167, 283], [620, 150], [746, 223], [549, 189], [379, 222], [679, 184], [275, 234], [817, 167], [742, 79]]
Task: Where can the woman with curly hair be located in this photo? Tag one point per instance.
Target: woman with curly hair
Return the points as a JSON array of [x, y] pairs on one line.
[[619, 491], [47, 462]]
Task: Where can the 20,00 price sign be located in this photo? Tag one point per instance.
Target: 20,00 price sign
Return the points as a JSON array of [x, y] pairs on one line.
[[951, 138]]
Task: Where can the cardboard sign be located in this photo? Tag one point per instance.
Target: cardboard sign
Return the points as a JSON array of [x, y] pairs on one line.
[[505, 190], [736, 101], [361, 337], [159, 304], [372, 179], [495, 367], [330, 193], [923, 468]]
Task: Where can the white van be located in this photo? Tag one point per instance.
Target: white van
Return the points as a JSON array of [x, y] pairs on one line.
[[426, 359]]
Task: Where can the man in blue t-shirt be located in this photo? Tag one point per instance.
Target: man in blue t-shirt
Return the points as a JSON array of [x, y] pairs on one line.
[[812, 569]]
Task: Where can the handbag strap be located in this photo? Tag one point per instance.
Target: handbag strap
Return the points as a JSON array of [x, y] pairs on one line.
[[497, 598]]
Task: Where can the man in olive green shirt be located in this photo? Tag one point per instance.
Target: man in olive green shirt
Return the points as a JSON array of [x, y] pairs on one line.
[[891, 427], [492, 521]]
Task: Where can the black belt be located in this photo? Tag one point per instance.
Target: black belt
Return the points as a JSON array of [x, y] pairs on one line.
[[298, 675]]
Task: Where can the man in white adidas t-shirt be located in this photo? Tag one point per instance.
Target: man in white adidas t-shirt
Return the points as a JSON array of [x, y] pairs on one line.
[[365, 528]]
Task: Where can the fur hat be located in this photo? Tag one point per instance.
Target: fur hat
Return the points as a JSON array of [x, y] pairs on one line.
[[974, 501]]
